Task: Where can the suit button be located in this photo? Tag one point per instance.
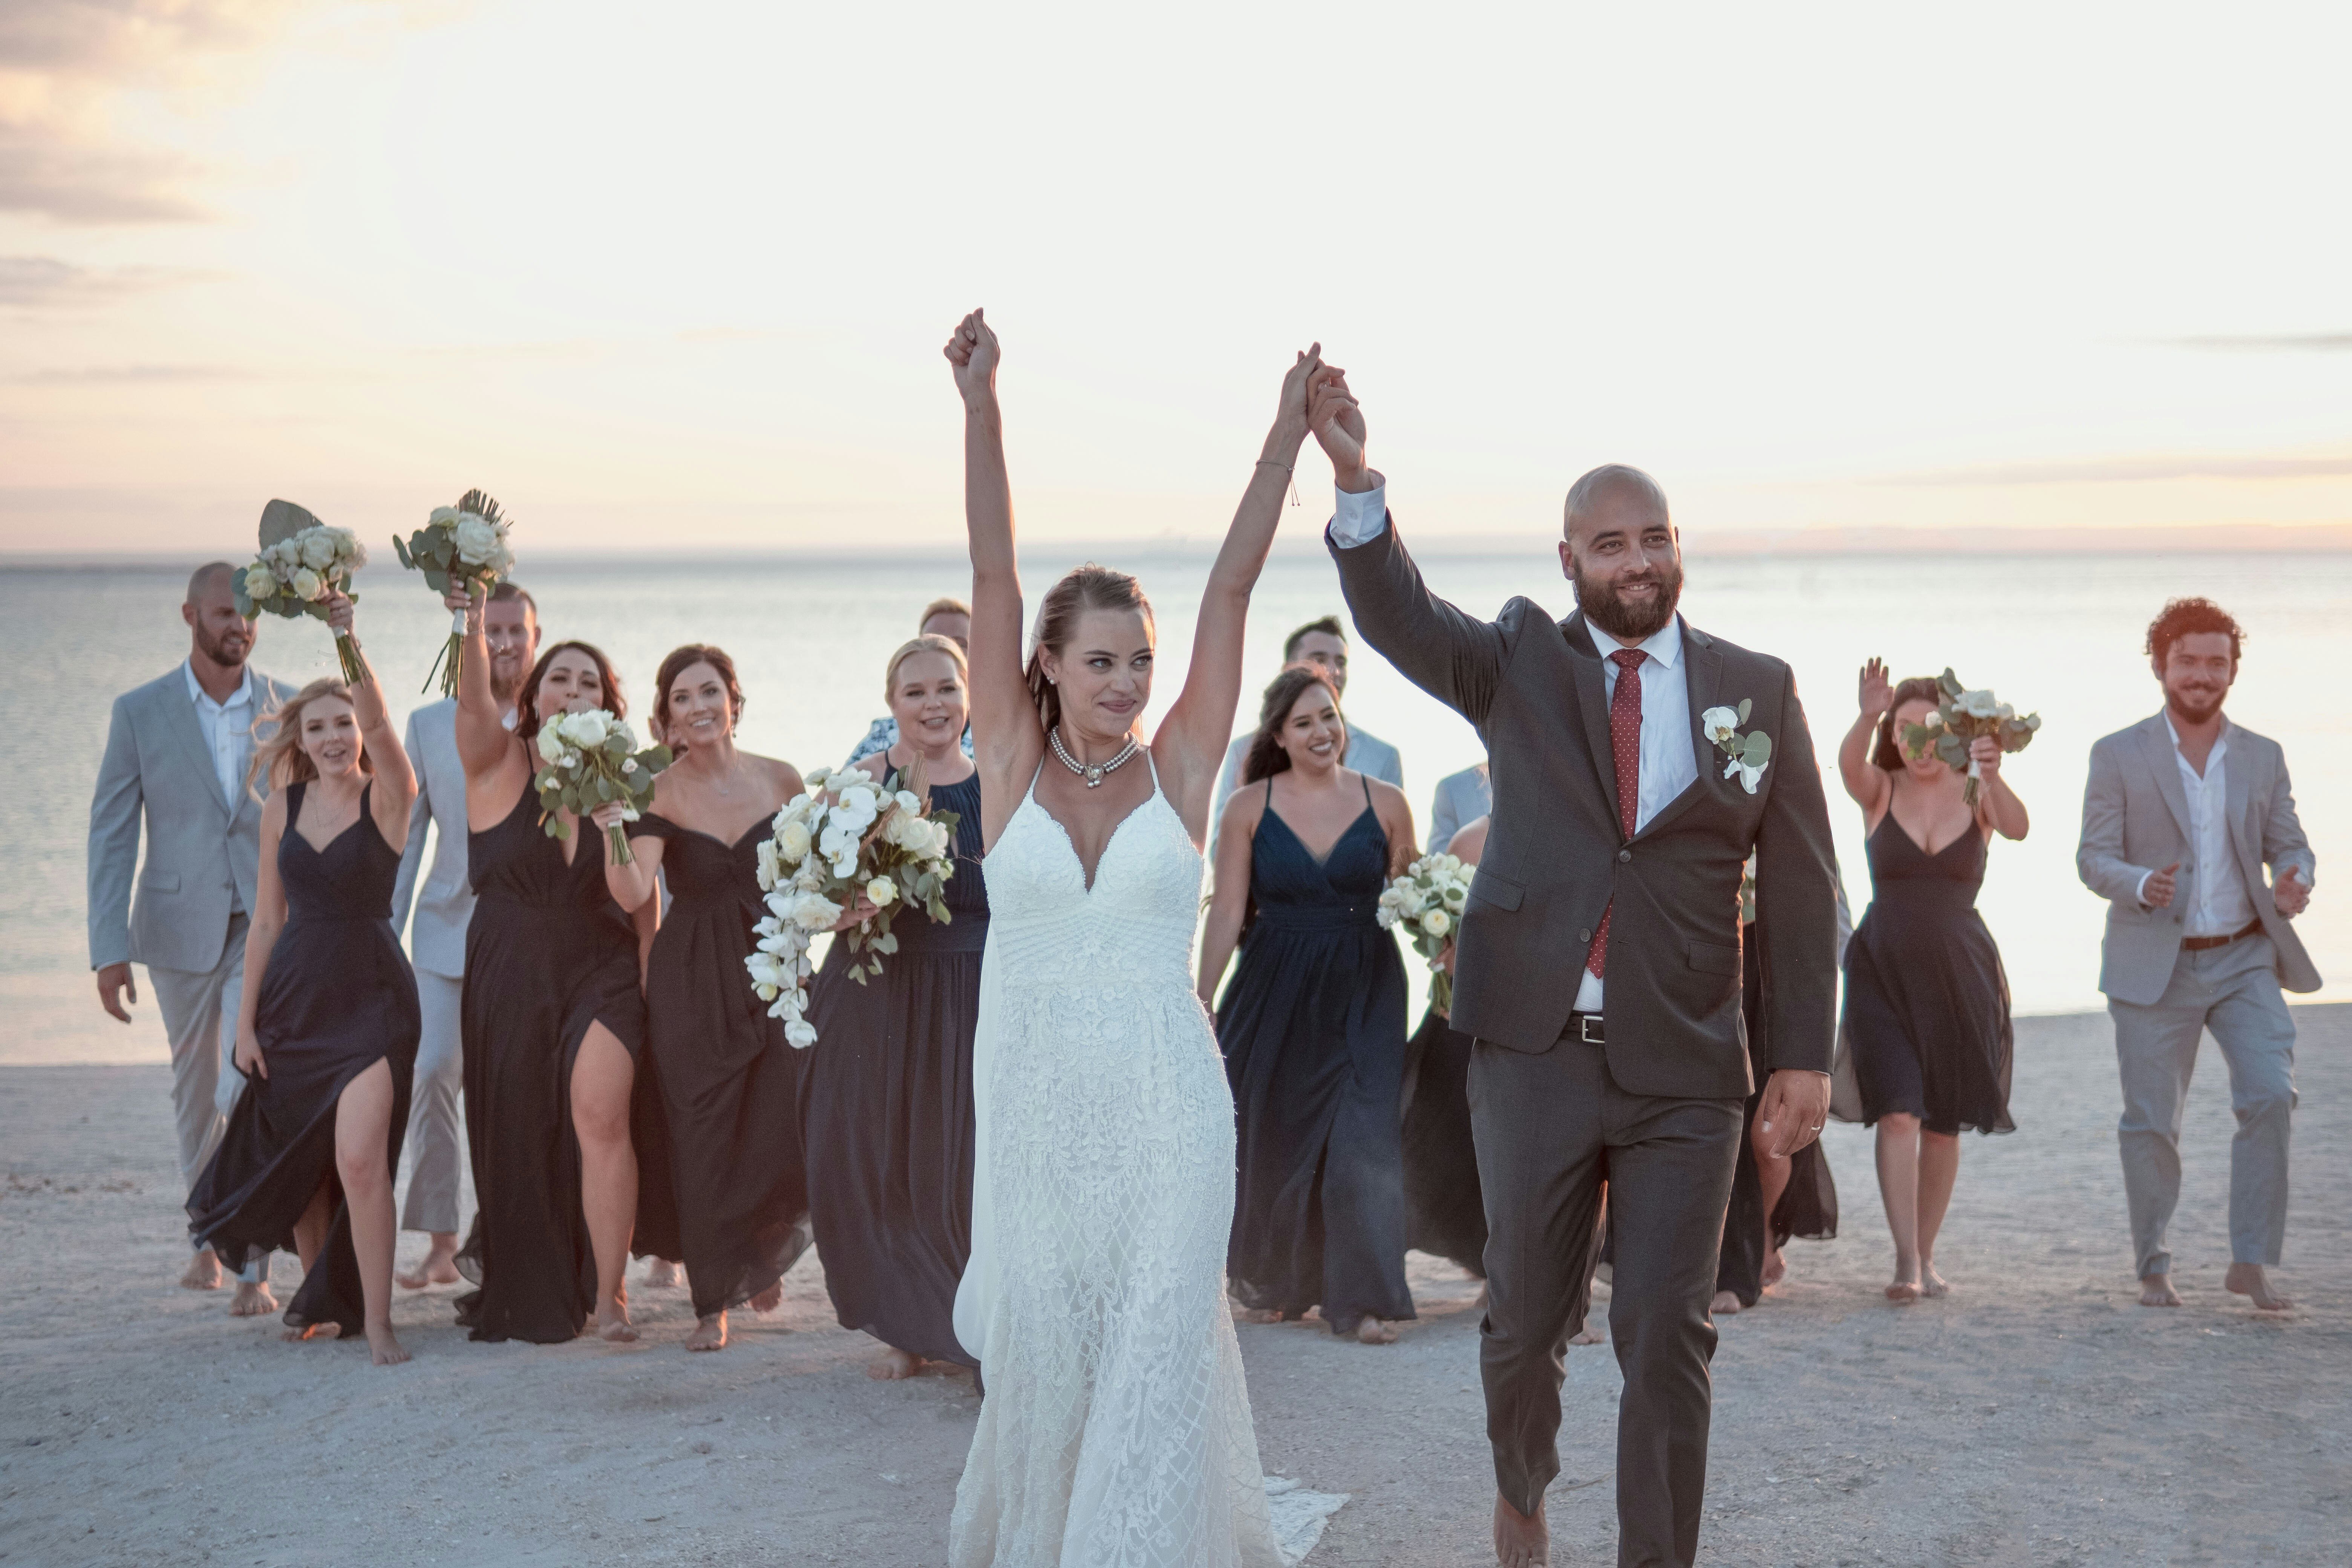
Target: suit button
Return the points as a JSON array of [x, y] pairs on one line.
[[1584, 936], [1625, 854]]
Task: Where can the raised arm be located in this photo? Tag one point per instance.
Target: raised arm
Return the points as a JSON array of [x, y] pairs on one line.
[[1190, 745], [1867, 783], [395, 780], [1229, 896], [482, 734], [1456, 658], [1007, 741], [412, 854]]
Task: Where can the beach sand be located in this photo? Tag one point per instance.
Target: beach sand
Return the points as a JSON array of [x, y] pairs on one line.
[[2036, 1416]]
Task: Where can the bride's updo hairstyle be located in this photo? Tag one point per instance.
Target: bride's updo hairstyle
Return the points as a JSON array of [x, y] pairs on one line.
[[527, 701], [1265, 757], [278, 754], [1087, 587]]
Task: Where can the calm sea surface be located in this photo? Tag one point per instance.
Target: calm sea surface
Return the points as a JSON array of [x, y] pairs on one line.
[[2057, 633]]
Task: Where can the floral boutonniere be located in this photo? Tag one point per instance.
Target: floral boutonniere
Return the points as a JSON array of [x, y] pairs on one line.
[[1748, 755]]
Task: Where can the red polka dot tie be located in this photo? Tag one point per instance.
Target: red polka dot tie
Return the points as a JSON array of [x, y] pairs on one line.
[[1625, 743]]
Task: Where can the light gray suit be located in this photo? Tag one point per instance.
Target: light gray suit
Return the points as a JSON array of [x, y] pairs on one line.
[[2137, 819], [1462, 799], [187, 921], [436, 946]]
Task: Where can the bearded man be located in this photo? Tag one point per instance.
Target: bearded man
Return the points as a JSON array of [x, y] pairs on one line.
[[1635, 762]]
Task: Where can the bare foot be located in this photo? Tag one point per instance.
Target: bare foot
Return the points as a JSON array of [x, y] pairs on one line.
[[1258, 1314], [709, 1334], [1521, 1541], [2156, 1291], [663, 1272], [385, 1349], [313, 1331], [893, 1364], [1373, 1332], [1903, 1293], [612, 1324], [204, 1272], [252, 1301], [439, 1268], [1588, 1335], [1776, 1268], [1725, 1304], [769, 1299], [2248, 1279], [1932, 1283]]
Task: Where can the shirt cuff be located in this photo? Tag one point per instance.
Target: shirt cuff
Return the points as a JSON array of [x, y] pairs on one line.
[[2139, 893], [1361, 516]]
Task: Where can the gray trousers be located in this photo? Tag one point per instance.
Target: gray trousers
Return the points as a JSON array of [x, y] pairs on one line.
[[200, 1009], [1552, 1131], [2234, 992], [433, 1146]]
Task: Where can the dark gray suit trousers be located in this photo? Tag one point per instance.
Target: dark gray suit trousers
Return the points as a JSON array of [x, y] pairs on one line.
[[1554, 1131]]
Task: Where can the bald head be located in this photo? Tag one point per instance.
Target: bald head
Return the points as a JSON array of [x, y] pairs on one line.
[[1611, 481], [211, 580], [219, 636]]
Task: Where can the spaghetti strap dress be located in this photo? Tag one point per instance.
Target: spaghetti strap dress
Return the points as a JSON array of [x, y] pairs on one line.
[[887, 1112], [1313, 1030], [1926, 1000], [547, 953], [729, 1083], [337, 997], [1444, 1207]]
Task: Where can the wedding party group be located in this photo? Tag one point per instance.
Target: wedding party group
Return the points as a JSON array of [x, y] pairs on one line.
[[1110, 1047]]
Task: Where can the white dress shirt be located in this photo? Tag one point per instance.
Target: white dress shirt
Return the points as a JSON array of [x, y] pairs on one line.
[[2222, 907], [1669, 754], [228, 735]]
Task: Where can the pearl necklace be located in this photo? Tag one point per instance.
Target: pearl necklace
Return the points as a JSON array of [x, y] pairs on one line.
[[1093, 772]]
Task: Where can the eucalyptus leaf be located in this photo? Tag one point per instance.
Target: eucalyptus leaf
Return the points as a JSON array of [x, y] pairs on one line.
[[1757, 749], [1745, 703]]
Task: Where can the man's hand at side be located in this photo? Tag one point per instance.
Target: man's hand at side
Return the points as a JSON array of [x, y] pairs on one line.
[[1796, 1104], [115, 983]]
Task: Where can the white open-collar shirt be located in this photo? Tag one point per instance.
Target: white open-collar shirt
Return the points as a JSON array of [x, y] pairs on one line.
[[1669, 755], [2222, 907]]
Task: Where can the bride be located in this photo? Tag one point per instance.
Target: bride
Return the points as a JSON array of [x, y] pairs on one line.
[[1116, 1429]]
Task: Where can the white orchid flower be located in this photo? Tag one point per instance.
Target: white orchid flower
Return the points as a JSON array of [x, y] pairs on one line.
[[1719, 725]]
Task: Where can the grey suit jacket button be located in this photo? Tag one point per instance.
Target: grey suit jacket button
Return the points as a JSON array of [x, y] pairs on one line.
[[1624, 855], [1584, 936]]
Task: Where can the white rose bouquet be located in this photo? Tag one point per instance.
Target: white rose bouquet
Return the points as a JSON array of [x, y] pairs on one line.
[[301, 563], [843, 837], [1427, 902], [590, 759], [1960, 717], [462, 546]]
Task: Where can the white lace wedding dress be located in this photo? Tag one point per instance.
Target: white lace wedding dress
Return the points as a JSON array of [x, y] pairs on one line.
[[1116, 1431]]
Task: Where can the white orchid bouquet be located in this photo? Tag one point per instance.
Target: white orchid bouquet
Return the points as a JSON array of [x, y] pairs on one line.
[[463, 546], [844, 835], [1426, 901], [301, 561], [590, 759], [1960, 717]]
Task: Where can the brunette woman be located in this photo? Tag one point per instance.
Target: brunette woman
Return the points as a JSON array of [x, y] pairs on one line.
[[326, 1032], [552, 1022], [729, 1081], [889, 1119], [1313, 1024], [1926, 1003]]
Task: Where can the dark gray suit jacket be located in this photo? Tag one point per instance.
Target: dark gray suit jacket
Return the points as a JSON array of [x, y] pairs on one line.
[[1556, 858]]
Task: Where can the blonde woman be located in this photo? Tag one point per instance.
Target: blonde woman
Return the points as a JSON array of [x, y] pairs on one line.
[[326, 1031], [887, 1117]]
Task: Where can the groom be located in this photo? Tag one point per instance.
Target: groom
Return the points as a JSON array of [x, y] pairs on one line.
[[1635, 762]]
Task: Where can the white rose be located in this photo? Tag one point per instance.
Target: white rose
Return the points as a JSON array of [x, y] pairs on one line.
[[1978, 704], [1719, 724], [287, 553], [477, 539], [1437, 923], [317, 548], [770, 868], [814, 911], [881, 892], [443, 517], [907, 801], [307, 584], [793, 839], [550, 744], [261, 583], [588, 728]]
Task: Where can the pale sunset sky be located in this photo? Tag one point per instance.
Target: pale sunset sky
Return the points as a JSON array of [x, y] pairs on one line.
[[674, 277]]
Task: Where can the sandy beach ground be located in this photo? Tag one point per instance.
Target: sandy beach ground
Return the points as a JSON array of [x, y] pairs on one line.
[[2036, 1416]]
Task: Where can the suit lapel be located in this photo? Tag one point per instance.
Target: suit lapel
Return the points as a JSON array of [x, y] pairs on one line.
[[2166, 761], [1592, 706], [1703, 680], [180, 717]]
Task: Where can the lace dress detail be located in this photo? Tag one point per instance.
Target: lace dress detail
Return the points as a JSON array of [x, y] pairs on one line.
[[1116, 1431]]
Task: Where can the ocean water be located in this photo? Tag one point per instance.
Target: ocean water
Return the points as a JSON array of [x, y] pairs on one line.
[[2060, 635]]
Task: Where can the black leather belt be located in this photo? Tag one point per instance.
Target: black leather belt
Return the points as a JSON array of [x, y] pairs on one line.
[[1587, 1027], [2208, 943]]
